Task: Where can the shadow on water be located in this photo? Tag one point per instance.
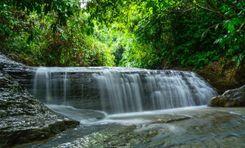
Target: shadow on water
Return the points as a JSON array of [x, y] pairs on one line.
[[82, 115]]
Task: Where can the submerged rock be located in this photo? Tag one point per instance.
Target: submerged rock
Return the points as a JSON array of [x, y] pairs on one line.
[[22, 117], [231, 98]]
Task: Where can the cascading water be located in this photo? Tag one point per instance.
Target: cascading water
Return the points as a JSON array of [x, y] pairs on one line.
[[65, 86], [122, 92], [42, 83], [127, 92], [118, 90]]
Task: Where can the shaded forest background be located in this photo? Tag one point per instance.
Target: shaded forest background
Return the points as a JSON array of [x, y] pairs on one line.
[[202, 35], [140, 33]]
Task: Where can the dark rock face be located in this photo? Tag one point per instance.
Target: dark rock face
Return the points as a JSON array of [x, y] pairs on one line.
[[23, 118], [224, 77], [7, 63], [231, 98]]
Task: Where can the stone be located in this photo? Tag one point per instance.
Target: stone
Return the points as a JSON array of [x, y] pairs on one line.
[[22, 117], [205, 127], [231, 98]]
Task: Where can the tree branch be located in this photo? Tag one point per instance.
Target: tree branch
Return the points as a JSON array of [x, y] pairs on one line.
[[208, 9]]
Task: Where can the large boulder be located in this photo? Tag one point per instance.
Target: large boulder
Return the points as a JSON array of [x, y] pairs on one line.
[[22, 117], [231, 98]]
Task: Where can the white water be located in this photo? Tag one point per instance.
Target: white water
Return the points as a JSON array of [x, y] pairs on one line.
[[122, 90], [131, 92], [65, 86], [42, 86]]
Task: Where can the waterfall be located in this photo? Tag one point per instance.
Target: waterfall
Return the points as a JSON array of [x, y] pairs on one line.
[[118, 90], [65, 87], [50, 89], [123, 92], [127, 92], [42, 86]]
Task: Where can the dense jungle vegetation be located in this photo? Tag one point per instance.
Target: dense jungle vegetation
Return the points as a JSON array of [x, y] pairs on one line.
[[133, 33]]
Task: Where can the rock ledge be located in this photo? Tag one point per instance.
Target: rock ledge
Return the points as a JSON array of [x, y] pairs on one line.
[[231, 98], [23, 118]]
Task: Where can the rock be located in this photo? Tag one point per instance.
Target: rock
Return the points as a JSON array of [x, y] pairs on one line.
[[205, 127], [7, 63], [22, 117], [231, 98]]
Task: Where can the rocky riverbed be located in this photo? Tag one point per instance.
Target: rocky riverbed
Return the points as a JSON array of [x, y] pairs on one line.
[[186, 127]]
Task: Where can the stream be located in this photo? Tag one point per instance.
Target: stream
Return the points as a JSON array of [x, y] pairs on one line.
[[182, 127], [130, 107]]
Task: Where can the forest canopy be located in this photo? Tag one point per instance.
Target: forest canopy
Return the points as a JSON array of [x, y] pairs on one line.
[[132, 33]]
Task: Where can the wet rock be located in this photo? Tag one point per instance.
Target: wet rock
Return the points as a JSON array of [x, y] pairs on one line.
[[20, 72], [207, 127], [7, 63], [22, 117], [231, 98]]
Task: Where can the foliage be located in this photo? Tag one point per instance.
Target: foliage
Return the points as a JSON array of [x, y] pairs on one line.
[[134, 33], [177, 33], [52, 33]]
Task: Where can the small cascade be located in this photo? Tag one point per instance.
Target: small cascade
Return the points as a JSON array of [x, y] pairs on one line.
[[119, 90], [65, 87], [133, 92], [42, 84], [122, 92], [50, 89]]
